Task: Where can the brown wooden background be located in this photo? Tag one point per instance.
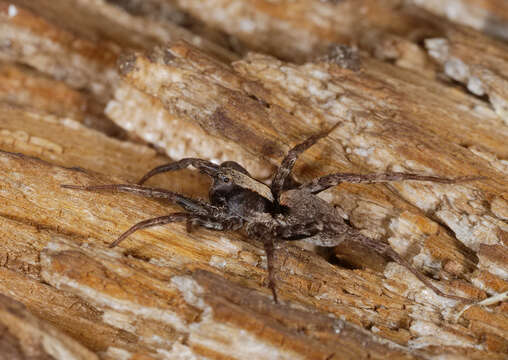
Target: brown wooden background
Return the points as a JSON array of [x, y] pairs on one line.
[[97, 91]]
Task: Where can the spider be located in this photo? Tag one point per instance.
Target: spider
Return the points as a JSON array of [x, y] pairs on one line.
[[283, 211]]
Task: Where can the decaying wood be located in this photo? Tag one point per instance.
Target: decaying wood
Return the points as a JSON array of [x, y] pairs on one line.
[[54, 139], [238, 109], [389, 29], [26, 88], [488, 16], [131, 108], [101, 20], [129, 299], [167, 297], [30, 39], [78, 42], [23, 336], [165, 293]]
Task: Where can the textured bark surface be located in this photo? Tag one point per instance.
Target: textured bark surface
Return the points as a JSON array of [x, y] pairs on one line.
[[420, 94]]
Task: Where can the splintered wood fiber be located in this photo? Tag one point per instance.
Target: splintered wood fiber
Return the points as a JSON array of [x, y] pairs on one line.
[[101, 91]]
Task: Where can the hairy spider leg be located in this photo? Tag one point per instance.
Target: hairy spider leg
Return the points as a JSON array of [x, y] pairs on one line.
[[202, 214], [270, 265], [388, 251], [191, 205], [320, 184], [385, 250], [204, 166], [269, 233], [287, 164], [162, 220], [191, 219]]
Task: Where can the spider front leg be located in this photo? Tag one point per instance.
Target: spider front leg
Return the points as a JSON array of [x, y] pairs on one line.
[[225, 223], [163, 220], [200, 213], [203, 165], [328, 181], [191, 205]]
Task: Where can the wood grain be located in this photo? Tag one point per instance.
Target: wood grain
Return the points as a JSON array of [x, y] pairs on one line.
[[416, 93]]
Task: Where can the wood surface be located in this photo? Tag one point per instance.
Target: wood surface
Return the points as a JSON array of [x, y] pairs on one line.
[[98, 92]]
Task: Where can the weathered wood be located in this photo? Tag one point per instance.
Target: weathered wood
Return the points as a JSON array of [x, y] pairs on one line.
[[78, 43], [126, 303], [26, 88], [23, 336], [79, 61], [389, 29], [157, 299], [66, 142], [175, 135], [488, 16], [165, 293], [228, 104], [123, 27], [222, 96]]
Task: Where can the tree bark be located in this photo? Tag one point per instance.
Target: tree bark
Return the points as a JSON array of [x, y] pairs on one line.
[[417, 94]]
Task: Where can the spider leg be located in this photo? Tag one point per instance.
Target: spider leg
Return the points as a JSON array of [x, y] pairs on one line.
[[227, 223], [203, 165], [270, 257], [162, 220], [265, 234], [327, 181], [288, 162], [191, 205], [385, 250]]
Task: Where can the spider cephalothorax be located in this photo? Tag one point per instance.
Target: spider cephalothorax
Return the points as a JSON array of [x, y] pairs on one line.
[[269, 214]]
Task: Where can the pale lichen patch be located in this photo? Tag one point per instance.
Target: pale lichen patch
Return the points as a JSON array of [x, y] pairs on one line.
[[415, 289], [472, 230], [429, 334], [117, 353], [12, 10], [218, 262], [190, 290], [218, 338], [223, 338], [120, 320], [180, 352]]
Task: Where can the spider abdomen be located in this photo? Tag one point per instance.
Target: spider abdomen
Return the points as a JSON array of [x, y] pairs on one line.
[[303, 206]]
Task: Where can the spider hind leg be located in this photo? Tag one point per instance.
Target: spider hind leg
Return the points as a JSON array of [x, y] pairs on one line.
[[385, 250], [325, 182]]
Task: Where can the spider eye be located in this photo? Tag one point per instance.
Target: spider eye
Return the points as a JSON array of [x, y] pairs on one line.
[[226, 179]]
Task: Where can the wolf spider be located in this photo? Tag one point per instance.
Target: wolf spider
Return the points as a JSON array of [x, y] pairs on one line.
[[270, 214]]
